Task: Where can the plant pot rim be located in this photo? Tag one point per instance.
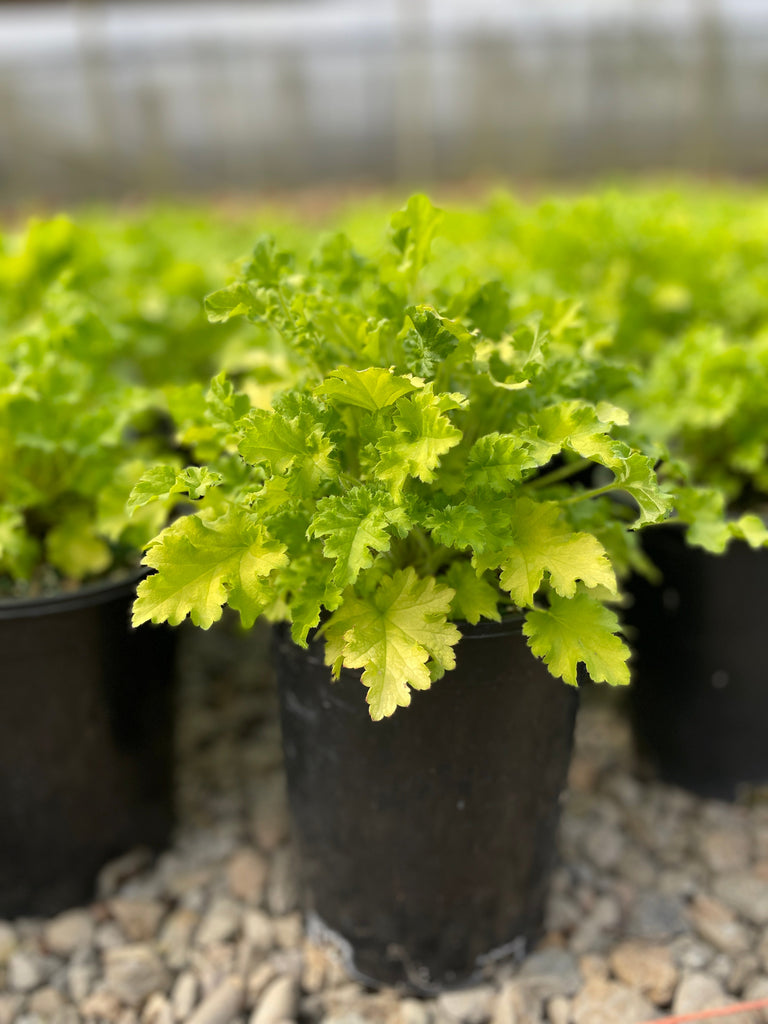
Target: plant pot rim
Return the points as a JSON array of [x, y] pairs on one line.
[[85, 596]]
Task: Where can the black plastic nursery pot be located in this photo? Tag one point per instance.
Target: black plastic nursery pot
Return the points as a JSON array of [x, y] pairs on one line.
[[427, 839], [86, 743], [699, 698]]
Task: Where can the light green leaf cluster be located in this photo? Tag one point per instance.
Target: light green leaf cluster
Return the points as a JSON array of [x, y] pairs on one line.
[[430, 463], [97, 318], [203, 564], [74, 439]]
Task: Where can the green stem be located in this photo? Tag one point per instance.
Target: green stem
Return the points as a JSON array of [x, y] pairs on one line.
[[594, 493], [556, 475]]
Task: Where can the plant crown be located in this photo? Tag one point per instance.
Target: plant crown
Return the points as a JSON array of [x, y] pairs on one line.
[[421, 465]]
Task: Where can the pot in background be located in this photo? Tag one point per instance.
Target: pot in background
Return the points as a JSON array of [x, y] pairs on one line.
[[86, 743], [699, 696]]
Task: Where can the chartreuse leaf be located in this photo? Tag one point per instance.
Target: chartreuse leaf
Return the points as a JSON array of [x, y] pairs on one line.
[[287, 443], [542, 543], [354, 526], [463, 525], [158, 483], [433, 339], [310, 592], [74, 547], [422, 434], [752, 529], [268, 264], [703, 510], [201, 565], [577, 426], [475, 598], [413, 230], [636, 475], [372, 389], [578, 629], [18, 551], [496, 460], [234, 300], [393, 634], [223, 402]]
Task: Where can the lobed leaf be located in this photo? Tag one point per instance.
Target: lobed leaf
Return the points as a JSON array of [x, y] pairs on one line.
[[578, 630], [392, 634]]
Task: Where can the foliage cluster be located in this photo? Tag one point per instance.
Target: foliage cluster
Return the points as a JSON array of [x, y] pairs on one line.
[[429, 462]]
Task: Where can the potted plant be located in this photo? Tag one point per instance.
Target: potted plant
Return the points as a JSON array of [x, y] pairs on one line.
[[413, 513], [699, 702], [85, 713], [670, 287]]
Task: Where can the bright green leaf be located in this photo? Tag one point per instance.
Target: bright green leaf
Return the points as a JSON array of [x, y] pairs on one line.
[[392, 635], [203, 564], [475, 598], [543, 543], [578, 629], [373, 389]]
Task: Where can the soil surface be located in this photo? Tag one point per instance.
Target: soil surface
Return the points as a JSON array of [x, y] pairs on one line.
[[659, 904]]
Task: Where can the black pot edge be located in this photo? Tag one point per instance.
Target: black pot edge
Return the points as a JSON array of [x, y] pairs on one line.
[[86, 596], [319, 932]]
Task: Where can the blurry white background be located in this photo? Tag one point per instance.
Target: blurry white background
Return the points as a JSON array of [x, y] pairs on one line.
[[106, 99]]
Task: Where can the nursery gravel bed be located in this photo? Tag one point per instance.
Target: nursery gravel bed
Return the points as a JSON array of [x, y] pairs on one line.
[[660, 902]]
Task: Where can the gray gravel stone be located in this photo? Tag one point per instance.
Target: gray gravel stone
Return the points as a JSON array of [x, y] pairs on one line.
[[412, 1011], [133, 972], [157, 1010], [598, 928], [138, 920], [222, 1005], [690, 953], [101, 1005], [184, 995], [551, 972], [258, 981], [656, 917], [108, 935], [559, 1010], [70, 930], [745, 894], [647, 968], [25, 972], [80, 980], [467, 1006], [10, 1005], [279, 1001], [698, 992], [220, 923], [726, 850], [716, 924], [605, 846], [743, 971], [517, 1002], [47, 1002], [176, 936], [756, 990], [118, 871], [258, 929], [608, 1002]]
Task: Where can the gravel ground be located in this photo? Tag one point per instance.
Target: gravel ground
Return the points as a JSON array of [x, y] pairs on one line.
[[660, 903]]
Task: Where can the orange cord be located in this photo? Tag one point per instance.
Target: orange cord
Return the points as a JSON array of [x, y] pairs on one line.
[[726, 1011]]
